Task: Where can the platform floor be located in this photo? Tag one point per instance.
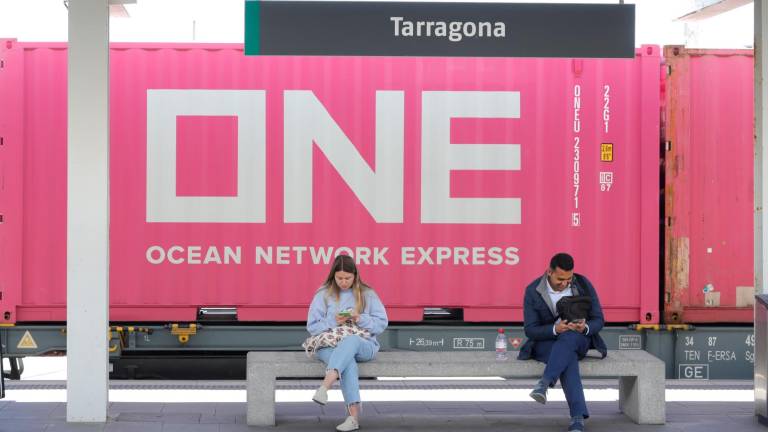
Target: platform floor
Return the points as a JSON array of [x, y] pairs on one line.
[[25, 414]]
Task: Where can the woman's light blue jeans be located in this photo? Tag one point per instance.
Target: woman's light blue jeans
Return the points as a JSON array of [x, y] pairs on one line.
[[344, 358]]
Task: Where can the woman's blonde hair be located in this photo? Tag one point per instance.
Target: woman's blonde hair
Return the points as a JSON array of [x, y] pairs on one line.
[[346, 264]]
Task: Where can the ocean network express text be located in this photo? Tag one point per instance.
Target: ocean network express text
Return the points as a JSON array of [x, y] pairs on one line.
[[297, 255]]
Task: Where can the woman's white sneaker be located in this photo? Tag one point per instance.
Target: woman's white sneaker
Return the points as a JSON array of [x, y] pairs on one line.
[[350, 424], [321, 396]]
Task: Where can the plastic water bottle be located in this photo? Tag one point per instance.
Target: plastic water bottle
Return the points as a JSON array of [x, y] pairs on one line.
[[501, 346]]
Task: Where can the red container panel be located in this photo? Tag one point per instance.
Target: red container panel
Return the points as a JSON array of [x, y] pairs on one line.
[[709, 186], [234, 179]]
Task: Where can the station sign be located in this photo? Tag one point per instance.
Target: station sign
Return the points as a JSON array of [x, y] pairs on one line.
[[371, 28]]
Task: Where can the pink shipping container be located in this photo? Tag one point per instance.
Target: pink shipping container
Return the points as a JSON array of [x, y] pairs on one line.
[[709, 270], [234, 178]]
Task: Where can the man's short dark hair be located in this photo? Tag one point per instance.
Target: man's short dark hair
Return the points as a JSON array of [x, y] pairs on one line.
[[561, 260]]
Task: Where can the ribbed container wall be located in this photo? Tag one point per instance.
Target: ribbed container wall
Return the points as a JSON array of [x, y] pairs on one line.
[[709, 188], [233, 180]]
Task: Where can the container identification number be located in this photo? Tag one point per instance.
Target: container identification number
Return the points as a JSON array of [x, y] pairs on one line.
[[576, 215]]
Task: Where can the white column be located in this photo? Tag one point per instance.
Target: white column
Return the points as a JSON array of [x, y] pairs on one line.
[[761, 148], [88, 211]]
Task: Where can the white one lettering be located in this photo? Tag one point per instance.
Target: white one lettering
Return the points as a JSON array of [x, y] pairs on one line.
[[308, 125], [439, 157], [163, 205]]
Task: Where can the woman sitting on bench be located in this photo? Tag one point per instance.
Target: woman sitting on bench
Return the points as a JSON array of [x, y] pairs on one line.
[[344, 318]]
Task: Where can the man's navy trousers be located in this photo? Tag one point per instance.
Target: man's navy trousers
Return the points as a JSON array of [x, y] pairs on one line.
[[562, 358]]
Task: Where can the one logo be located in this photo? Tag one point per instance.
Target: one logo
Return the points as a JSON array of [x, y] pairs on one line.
[[173, 113], [515, 342]]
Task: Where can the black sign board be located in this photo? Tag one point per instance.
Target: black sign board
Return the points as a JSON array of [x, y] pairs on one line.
[[368, 28]]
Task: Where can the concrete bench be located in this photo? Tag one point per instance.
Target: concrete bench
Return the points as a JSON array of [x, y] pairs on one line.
[[641, 375]]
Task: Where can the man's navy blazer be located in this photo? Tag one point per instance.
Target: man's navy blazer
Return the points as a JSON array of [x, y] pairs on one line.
[[540, 315]]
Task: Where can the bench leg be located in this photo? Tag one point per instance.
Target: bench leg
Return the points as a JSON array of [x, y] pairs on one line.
[[260, 397], [641, 398]]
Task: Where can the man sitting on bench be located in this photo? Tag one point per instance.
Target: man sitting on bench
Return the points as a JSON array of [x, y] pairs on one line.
[[557, 341]]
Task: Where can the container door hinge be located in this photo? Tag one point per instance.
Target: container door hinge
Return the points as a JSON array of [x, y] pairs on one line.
[[669, 70], [668, 145]]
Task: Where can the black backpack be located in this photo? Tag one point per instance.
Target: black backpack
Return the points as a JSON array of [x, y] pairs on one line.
[[574, 308]]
